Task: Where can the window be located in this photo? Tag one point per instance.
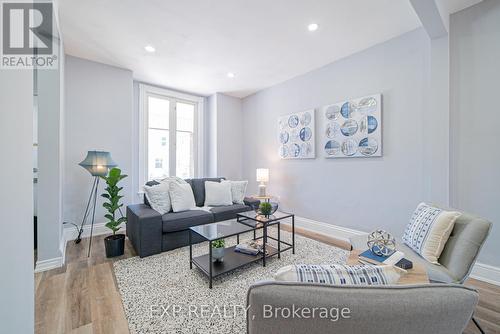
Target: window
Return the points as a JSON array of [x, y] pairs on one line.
[[169, 134]]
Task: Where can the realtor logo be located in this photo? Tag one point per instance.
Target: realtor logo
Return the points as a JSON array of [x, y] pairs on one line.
[[27, 35]]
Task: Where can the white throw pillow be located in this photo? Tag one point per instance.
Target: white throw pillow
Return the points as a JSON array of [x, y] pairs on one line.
[[429, 230], [339, 274], [218, 193], [238, 190], [181, 196], [158, 197]]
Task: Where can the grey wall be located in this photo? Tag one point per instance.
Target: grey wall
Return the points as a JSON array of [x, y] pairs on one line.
[[50, 167], [99, 115], [475, 116], [224, 128], [16, 202], [229, 137], [359, 193]]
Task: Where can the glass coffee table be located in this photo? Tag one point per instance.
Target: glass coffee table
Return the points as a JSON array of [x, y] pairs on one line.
[[245, 222]]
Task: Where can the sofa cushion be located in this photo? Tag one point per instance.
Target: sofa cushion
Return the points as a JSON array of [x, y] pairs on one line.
[[198, 186], [228, 211], [178, 221]]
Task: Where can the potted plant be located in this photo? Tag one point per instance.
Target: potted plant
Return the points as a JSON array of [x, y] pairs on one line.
[[114, 243], [265, 209], [218, 250]]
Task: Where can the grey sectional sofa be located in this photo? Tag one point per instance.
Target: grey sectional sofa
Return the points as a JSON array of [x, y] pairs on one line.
[[151, 233]]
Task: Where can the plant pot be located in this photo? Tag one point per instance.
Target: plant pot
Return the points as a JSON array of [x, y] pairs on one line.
[[115, 245], [217, 254]]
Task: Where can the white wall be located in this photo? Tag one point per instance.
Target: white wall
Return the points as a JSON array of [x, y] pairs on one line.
[[16, 202], [360, 193], [224, 129], [99, 116], [475, 116], [49, 195], [229, 137]]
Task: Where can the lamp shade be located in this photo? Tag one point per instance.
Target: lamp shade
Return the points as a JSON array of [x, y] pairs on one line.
[[98, 163], [262, 175]]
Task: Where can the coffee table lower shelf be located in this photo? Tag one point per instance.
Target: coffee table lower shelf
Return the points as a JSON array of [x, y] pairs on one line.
[[232, 260]]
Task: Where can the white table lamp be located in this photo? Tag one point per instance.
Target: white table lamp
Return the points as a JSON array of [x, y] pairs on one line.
[[263, 178]]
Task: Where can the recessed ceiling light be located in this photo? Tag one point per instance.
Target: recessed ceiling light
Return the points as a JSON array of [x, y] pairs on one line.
[[313, 27], [230, 75], [149, 48]]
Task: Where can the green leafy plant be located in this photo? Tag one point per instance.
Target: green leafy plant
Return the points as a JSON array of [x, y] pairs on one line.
[[265, 208], [113, 199], [219, 243]]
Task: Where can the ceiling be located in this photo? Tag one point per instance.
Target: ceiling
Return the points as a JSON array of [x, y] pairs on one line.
[[197, 42]]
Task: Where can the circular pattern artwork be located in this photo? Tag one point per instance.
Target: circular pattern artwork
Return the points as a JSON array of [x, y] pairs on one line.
[[332, 112], [305, 149], [348, 109], [372, 124], [349, 128], [367, 105], [332, 129], [368, 146], [284, 137], [283, 152], [305, 119], [294, 150], [352, 128], [296, 135], [305, 134], [293, 121], [349, 147], [332, 147]]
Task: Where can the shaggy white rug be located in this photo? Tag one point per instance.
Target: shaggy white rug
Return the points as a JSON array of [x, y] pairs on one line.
[[162, 295]]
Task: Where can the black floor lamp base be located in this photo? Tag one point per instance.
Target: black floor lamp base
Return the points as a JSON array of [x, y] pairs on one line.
[[91, 203]]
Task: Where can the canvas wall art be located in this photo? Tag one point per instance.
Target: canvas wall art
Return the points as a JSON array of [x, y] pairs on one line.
[[296, 135], [353, 128]]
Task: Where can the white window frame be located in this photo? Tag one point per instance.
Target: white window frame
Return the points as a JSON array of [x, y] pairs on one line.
[[144, 92]]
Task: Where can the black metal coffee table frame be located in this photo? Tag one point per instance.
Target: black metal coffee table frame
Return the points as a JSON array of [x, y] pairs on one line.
[[234, 260]]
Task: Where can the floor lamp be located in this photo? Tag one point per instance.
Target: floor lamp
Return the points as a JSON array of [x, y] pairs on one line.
[[97, 163]]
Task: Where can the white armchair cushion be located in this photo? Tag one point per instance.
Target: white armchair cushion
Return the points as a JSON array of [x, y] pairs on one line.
[[429, 230], [218, 193]]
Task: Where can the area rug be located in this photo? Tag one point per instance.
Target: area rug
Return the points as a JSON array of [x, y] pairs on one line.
[[161, 294]]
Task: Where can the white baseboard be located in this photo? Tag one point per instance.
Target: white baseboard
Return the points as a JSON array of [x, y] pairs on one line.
[[481, 271], [48, 264], [69, 234], [338, 232], [486, 273]]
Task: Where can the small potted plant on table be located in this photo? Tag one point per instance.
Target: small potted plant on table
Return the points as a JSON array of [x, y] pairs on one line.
[[114, 243], [218, 250]]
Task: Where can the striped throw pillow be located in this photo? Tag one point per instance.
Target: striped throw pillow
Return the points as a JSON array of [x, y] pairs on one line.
[[429, 230], [338, 274]]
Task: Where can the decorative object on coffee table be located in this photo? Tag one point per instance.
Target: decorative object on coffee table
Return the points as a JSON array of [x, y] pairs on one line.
[[267, 208], [381, 243], [115, 243], [218, 250], [263, 178], [97, 163]]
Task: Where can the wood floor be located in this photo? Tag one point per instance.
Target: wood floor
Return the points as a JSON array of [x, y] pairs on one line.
[[82, 297]]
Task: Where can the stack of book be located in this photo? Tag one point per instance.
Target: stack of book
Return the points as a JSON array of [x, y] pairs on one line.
[[250, 247], [396, 259]]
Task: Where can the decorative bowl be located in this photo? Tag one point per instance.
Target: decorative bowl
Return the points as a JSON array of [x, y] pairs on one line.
[[274, 208]]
